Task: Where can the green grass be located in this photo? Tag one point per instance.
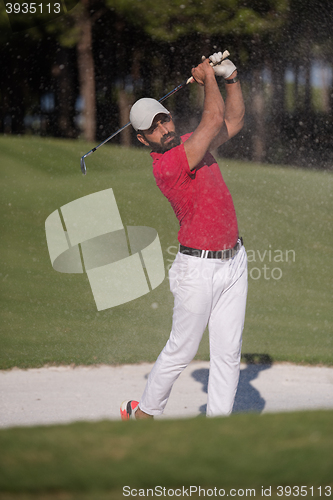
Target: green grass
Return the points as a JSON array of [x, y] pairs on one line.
[[50, 317], [241, 452]]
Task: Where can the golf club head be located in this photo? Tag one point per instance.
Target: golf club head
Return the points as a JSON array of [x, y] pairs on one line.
[[83, 166]]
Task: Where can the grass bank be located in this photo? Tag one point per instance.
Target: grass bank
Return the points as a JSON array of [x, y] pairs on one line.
[[234, 454]]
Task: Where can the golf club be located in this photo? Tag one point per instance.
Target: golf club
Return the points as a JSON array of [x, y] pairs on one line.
[[176, 89]]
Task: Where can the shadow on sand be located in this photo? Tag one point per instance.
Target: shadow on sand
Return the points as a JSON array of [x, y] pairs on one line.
[[247, 398]]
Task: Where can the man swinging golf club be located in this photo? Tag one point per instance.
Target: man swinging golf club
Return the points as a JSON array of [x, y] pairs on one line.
[[208, 277]]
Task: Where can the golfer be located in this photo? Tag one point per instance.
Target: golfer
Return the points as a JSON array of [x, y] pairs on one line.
[[208, 277]]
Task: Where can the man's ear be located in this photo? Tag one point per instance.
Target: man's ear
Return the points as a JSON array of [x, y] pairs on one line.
[[142, 139]]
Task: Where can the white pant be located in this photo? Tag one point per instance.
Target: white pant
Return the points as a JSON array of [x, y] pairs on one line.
[[206, 291]]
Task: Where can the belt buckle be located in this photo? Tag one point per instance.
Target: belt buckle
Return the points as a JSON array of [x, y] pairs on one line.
[[231, 252]]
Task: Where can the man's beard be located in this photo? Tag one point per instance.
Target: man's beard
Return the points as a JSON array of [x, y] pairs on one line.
[[163, 147]]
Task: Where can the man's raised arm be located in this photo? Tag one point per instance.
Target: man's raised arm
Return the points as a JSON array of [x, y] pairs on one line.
[[234, 103], [212, 117], [228, 117]]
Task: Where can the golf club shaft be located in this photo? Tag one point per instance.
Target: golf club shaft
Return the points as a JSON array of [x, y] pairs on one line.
[[83, 166], [176, 89]]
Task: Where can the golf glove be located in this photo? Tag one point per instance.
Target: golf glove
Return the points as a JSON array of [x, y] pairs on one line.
[[224, 67]]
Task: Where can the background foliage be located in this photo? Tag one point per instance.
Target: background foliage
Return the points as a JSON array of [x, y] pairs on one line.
[[78, 74]]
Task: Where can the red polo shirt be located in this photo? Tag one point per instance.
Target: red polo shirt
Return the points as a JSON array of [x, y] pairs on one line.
[[200, 199]]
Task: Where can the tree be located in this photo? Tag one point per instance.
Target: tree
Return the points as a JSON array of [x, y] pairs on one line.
[[192, 28], [85, 62], [77, 31], [306, 36]]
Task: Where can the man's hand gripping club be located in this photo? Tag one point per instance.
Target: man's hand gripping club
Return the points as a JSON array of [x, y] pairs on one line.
[[222, 66]]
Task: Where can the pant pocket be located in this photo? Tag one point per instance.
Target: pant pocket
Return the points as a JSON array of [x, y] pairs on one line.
[[193, 290], [177, 272]]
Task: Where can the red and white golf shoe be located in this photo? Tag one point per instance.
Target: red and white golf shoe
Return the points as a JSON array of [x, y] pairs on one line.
[[128, 409]]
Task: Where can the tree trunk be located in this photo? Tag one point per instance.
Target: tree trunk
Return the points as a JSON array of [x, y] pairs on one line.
[[325, 90], [86, 72], [65, 96], [5, 111], [258, 114], [331, 96], [296, 88], [307, 95], [278, 99], [124, 106]]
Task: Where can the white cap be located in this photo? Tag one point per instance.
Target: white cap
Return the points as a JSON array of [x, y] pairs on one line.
[[144, 111]]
